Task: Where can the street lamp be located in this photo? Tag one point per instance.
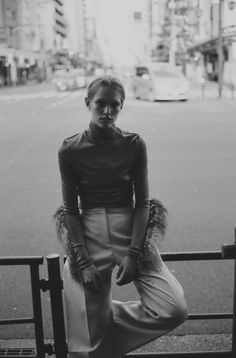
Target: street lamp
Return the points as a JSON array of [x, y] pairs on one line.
[[220, 4], [220, 50]]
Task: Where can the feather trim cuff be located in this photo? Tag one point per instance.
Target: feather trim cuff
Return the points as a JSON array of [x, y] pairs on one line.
[[149, 259]]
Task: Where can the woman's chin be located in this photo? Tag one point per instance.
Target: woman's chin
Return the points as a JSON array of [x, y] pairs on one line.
[[106, 123]]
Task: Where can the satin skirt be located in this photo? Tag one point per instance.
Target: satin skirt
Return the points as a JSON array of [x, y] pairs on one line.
[[96, 325]]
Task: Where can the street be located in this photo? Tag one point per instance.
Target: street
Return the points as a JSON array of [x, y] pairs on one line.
[[192, 154]]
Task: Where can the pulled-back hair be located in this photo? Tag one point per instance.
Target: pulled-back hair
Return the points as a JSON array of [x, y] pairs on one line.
[[107, 80]]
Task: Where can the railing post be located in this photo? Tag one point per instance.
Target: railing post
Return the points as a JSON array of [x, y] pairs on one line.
[[234, 307], [37, 309], [55, 284]]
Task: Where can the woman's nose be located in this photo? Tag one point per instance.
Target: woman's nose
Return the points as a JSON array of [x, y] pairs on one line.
[[107, 109]]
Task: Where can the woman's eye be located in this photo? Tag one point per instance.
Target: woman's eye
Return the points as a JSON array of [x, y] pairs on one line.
[[115, 105], [101, 103]]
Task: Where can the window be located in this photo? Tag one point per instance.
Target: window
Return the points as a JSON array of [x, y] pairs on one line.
[[137, 16], [142, 71]]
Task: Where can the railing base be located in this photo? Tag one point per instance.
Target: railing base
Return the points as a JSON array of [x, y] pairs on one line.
[[210, 354], [17, 352]]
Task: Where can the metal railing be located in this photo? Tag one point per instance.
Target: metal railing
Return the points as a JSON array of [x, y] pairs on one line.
[[55, 286], [228, 252], [33, 262]]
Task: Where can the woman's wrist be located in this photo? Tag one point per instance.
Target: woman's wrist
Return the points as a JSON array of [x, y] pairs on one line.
[[81, 255], [134, 252], [84, 263], [76, 245]]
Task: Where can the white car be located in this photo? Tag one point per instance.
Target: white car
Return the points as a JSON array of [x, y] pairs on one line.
[[161, 82], [70, 80]]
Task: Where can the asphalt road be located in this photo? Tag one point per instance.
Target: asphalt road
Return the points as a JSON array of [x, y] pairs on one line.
[[192, 153]]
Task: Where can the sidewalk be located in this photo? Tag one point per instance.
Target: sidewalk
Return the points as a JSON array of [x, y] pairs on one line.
[[210, 91], [196, 91], [30, 87], [168, 343]]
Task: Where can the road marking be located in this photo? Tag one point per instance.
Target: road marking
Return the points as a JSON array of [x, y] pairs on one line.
[[45, 95], [24, 96], [71, 97], [139, 103]]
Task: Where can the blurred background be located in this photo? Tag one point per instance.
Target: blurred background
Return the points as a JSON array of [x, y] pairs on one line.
[[40, 38]]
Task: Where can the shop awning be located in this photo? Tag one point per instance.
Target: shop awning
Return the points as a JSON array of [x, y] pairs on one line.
[[6, 51], [211, 44]]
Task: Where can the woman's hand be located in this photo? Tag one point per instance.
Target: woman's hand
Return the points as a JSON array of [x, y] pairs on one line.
[[90, 274], [127, 271], [92, 279]]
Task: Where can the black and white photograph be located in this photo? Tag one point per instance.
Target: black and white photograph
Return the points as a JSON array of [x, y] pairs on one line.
[[118, 178]]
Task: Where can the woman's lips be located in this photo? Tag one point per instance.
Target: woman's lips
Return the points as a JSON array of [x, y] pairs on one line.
[[106, 118]]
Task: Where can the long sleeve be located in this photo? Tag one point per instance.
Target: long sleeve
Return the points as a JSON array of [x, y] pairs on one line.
[[68, 184], [140, 176], [141, 190], [70, 198]]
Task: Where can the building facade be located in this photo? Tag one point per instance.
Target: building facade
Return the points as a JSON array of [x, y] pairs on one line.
[[19, 43], [60, 26], [205, 46], [33, 35], [140, 28]]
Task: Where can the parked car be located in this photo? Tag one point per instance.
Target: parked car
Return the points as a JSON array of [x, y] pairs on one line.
[[160, 81], [73, 79]]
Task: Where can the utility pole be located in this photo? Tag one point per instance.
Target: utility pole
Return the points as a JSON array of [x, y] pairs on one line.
[[150, 29], [220, 50], [172, 49]]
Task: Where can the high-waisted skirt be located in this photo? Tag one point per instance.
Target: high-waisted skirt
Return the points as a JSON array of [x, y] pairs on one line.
[[96, 325]]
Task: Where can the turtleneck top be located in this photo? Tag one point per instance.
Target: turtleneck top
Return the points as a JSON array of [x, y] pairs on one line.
[[104, 168]]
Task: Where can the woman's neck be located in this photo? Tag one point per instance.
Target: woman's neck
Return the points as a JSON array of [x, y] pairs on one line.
[[102, 134]]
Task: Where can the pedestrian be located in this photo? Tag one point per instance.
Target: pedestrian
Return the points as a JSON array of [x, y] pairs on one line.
[[13, 73], [105, 166]]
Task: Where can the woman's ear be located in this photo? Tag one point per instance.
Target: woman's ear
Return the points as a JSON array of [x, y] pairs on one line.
[[87, 102]]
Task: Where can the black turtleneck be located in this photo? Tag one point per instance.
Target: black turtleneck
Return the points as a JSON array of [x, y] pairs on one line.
[[99, 134], [103, 167]]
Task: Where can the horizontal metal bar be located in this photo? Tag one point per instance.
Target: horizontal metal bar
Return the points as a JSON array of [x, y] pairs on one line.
[[193, 255], [209, 354], [21, 260], [16, 321], [190, 317], [195, 316], [188, 256], [166, 256], [210, 316]]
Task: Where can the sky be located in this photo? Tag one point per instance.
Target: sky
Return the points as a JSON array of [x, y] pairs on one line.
[[113, 26]]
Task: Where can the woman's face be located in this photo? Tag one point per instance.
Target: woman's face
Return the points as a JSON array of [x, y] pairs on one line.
[[105, 106]]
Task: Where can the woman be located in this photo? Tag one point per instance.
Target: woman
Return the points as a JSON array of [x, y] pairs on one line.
[[106, 166]]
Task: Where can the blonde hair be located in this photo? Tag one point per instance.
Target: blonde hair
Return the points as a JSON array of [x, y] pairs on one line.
[[107, 80]]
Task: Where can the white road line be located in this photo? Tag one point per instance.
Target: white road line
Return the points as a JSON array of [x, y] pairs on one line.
[[25, 96], [138, 103], [43, 95], [71, 97]]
